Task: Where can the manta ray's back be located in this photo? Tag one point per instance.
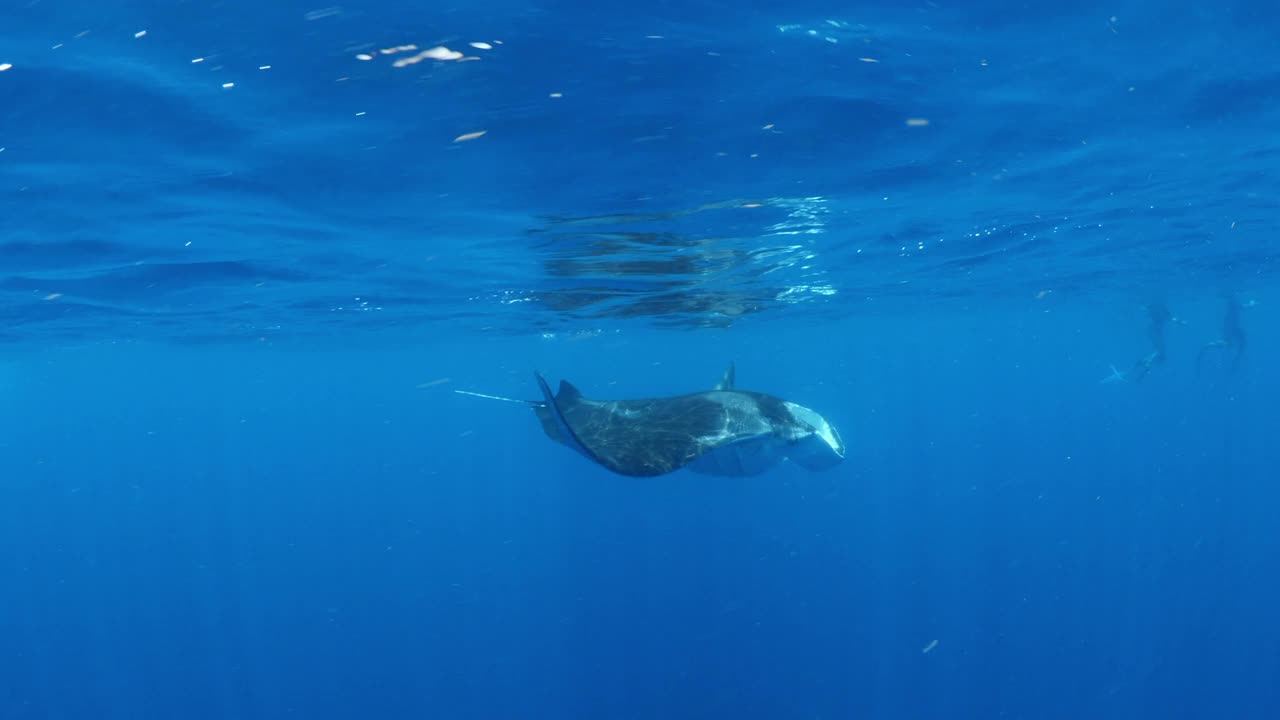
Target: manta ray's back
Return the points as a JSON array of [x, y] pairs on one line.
[[723, 431]]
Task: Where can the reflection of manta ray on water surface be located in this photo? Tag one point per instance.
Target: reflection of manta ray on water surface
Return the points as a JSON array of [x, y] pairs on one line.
[[724, 431]]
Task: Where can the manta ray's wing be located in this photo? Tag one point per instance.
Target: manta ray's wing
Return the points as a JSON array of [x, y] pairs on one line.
[[554, 421], [645, 438]]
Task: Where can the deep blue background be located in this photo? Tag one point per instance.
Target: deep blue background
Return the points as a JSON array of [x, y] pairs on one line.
[[258, 533], [235, 481]]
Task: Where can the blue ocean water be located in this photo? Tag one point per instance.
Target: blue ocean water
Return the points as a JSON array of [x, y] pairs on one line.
[[249, 251]]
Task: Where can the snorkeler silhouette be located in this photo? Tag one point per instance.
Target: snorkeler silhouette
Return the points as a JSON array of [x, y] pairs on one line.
[[1158, 316], [1232, 335]]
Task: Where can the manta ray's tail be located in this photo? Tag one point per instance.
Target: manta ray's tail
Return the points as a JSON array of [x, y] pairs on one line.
[[529, 403]]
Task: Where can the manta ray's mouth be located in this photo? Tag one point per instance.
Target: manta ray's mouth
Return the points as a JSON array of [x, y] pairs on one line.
[[821, 428]]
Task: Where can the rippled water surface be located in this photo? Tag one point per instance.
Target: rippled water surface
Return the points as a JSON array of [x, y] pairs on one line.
[[210, 171]]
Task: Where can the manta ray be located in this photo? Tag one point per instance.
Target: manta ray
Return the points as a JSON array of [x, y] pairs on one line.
[[722, 431]]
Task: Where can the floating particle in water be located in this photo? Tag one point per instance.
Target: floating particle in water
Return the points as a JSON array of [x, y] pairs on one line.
[[439, 52], [140, 33], [364, 56], [228, 85], [5, 66], [470, 136], [917, 122], [868, 60], [322, 13], [481, 45], [929, 648], [556, 95], [264, 67], [53, 296]]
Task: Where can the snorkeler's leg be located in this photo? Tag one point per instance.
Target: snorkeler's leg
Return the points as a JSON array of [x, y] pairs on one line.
[[1143, 366], [1239, 353]]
